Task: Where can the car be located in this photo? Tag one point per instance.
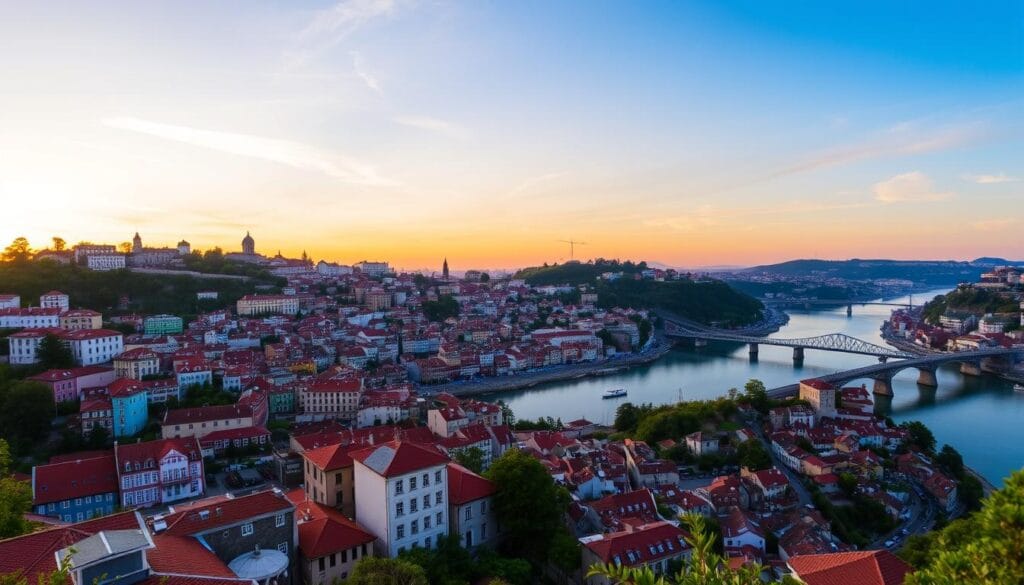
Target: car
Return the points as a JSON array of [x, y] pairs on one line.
[[889, 544]]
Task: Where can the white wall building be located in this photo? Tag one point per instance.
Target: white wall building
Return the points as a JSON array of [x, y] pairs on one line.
[[24, 346], [402, 495], [31, 317], [54, 300], [94, 346], [10, 301]]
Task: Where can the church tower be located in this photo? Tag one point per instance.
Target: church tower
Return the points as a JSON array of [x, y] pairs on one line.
[[248, 245], [444, 269], [136, 243]]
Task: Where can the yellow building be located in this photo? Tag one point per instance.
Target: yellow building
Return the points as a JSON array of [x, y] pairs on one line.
[[80, 319], [328, 478]]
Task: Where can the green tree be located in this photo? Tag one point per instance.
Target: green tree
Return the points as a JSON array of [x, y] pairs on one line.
[[26, 409], [444, 307], [59, 244], [627, 415], [528, 504], [15, 498], [920, 435], [53, 353], [472, 459], [754, 391], [753, 455], [18, 251], [986, 549], [381, 571], [951, 460]]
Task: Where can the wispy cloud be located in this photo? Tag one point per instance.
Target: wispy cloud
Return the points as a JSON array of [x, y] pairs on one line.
[[990, 179], [359, 67], [994, 225], [534, 182], [285, 152], [434, 125], [330, 26], [908, 187]]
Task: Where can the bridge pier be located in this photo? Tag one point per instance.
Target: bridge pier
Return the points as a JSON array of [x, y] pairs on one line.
[[753, 350], [970, 369], [994, 365], [926, 377], [798, 354], [883, 386], [849, 310]]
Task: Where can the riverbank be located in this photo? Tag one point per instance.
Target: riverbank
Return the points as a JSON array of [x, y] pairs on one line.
[[603, 367]]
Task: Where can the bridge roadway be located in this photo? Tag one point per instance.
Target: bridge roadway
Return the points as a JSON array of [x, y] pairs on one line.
[[831, 302], [971, 363]]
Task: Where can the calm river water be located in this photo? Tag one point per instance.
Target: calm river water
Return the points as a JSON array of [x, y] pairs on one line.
[[981, 416]]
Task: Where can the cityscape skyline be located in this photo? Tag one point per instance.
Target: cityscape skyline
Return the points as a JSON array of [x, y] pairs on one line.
[[491, 133]]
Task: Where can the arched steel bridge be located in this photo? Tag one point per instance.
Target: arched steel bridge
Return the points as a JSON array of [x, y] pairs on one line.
[[830, 342]]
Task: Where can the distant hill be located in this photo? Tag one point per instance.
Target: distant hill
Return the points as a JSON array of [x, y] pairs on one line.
[[706, 300], [938, 272]]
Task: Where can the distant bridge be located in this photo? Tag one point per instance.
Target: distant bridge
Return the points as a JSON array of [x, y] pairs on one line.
[[972, 363], [808, 303], [830, 342]]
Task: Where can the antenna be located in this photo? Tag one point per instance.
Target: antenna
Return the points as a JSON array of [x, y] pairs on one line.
[[572, 247]]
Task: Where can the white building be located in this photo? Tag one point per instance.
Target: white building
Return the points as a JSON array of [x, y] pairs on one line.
[[94, 346], [30, 317], [10, 301], [402, 495], [159, 472], [332, 269], [54, 300], [103, 262], [373, 268], [267, 304], [24, 345]]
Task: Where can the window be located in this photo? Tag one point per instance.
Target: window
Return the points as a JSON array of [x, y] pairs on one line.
[[344, 555], [321, 564], [426, 523], [483, 507], [437, 498], [412, 483], [364, 549], [414, 527], [283, 547], [426, 501], [247, 529], [334, 559], [400, 509], [399, 487], [426, 479], [483, 531], [426, 542], [439, 519], [400, 531], [437, 477], [279, 521], [414, 505], [469, 513]]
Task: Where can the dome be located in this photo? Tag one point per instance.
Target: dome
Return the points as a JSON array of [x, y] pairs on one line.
[[260, 565], [183, 243]]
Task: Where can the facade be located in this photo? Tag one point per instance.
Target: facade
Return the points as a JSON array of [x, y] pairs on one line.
[[193, 373], [54, 300], [94, 346], [24, 345], [375, 269], [67, 385], [402, 495], [336, 398], [821, 396], [330, 544], [34, 317], [137, 363], [104, 262], [652, 545], [80, 319], [199, 422], [162, 325], [75, 489], [96, 412], [328, 477], [10, 301], [251, 305], [470, 508], [130, 404], [159, 472]]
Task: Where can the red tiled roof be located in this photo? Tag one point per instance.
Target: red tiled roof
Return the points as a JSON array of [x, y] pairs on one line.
[[186, 519], [331, 457], [155, 450], [323, 530], [181, 416], [139, 353], [74, 479], [185, 555], [874, 567], [817, 383], [80, 334], [466, 486], [633, 547], [398, 458]]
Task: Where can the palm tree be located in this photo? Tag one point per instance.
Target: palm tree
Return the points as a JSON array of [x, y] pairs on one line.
[[705, 567]]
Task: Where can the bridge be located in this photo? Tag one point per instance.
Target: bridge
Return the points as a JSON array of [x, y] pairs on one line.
[[972, 363], [831, 342], [808, 303]]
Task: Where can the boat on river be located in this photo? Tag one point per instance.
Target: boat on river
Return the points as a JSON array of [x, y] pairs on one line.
[[616, 393], [1018, 387]]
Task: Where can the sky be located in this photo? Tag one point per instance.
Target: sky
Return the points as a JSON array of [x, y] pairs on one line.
[[685, 133]]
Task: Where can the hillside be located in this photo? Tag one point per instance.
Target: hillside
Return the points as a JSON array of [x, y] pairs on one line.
[[100, 291], [919, 271], [969, 300], [706, 301]]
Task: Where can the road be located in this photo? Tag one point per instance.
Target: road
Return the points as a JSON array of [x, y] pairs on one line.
[[795, 481]]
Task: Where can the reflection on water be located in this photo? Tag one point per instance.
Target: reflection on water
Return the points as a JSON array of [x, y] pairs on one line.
[[981, 416]]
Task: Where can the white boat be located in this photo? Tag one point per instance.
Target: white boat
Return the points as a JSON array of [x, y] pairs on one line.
[[1018, 387], [616, 393]]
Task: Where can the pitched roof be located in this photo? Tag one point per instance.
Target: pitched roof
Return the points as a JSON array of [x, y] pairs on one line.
[[185, 555], [638, 545], [331, 457], [873, 567], [323, 530], [398, 458], [466, 486], [211, 513], [179, 416], [74, 479], [155, 450]]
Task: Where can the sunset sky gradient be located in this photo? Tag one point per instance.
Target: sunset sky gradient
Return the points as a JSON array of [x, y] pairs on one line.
[[686, 133]]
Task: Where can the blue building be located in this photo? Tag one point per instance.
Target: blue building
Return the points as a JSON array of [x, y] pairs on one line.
[[130, 401], [74, 490]]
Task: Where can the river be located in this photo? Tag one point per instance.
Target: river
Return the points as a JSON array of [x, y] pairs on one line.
[[981, 416]]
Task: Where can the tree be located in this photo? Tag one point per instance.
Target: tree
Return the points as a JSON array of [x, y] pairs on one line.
[[753, 455], [706, 567], [484, 277], [472, 459], [15, 498], [26, 409], [444, 307], [920, 435], [985, 549], [59, 244], [755, 392], [950, 459], [125, 247], [381, 571], [18, 251], [53, 353], [626, 417], [528, 504]]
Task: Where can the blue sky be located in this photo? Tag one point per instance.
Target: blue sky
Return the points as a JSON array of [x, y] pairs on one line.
[[682, 132]]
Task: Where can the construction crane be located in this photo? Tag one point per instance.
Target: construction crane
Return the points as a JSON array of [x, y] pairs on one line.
[[572, 247]]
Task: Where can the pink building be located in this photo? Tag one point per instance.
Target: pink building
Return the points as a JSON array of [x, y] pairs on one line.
[[67, 385]]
